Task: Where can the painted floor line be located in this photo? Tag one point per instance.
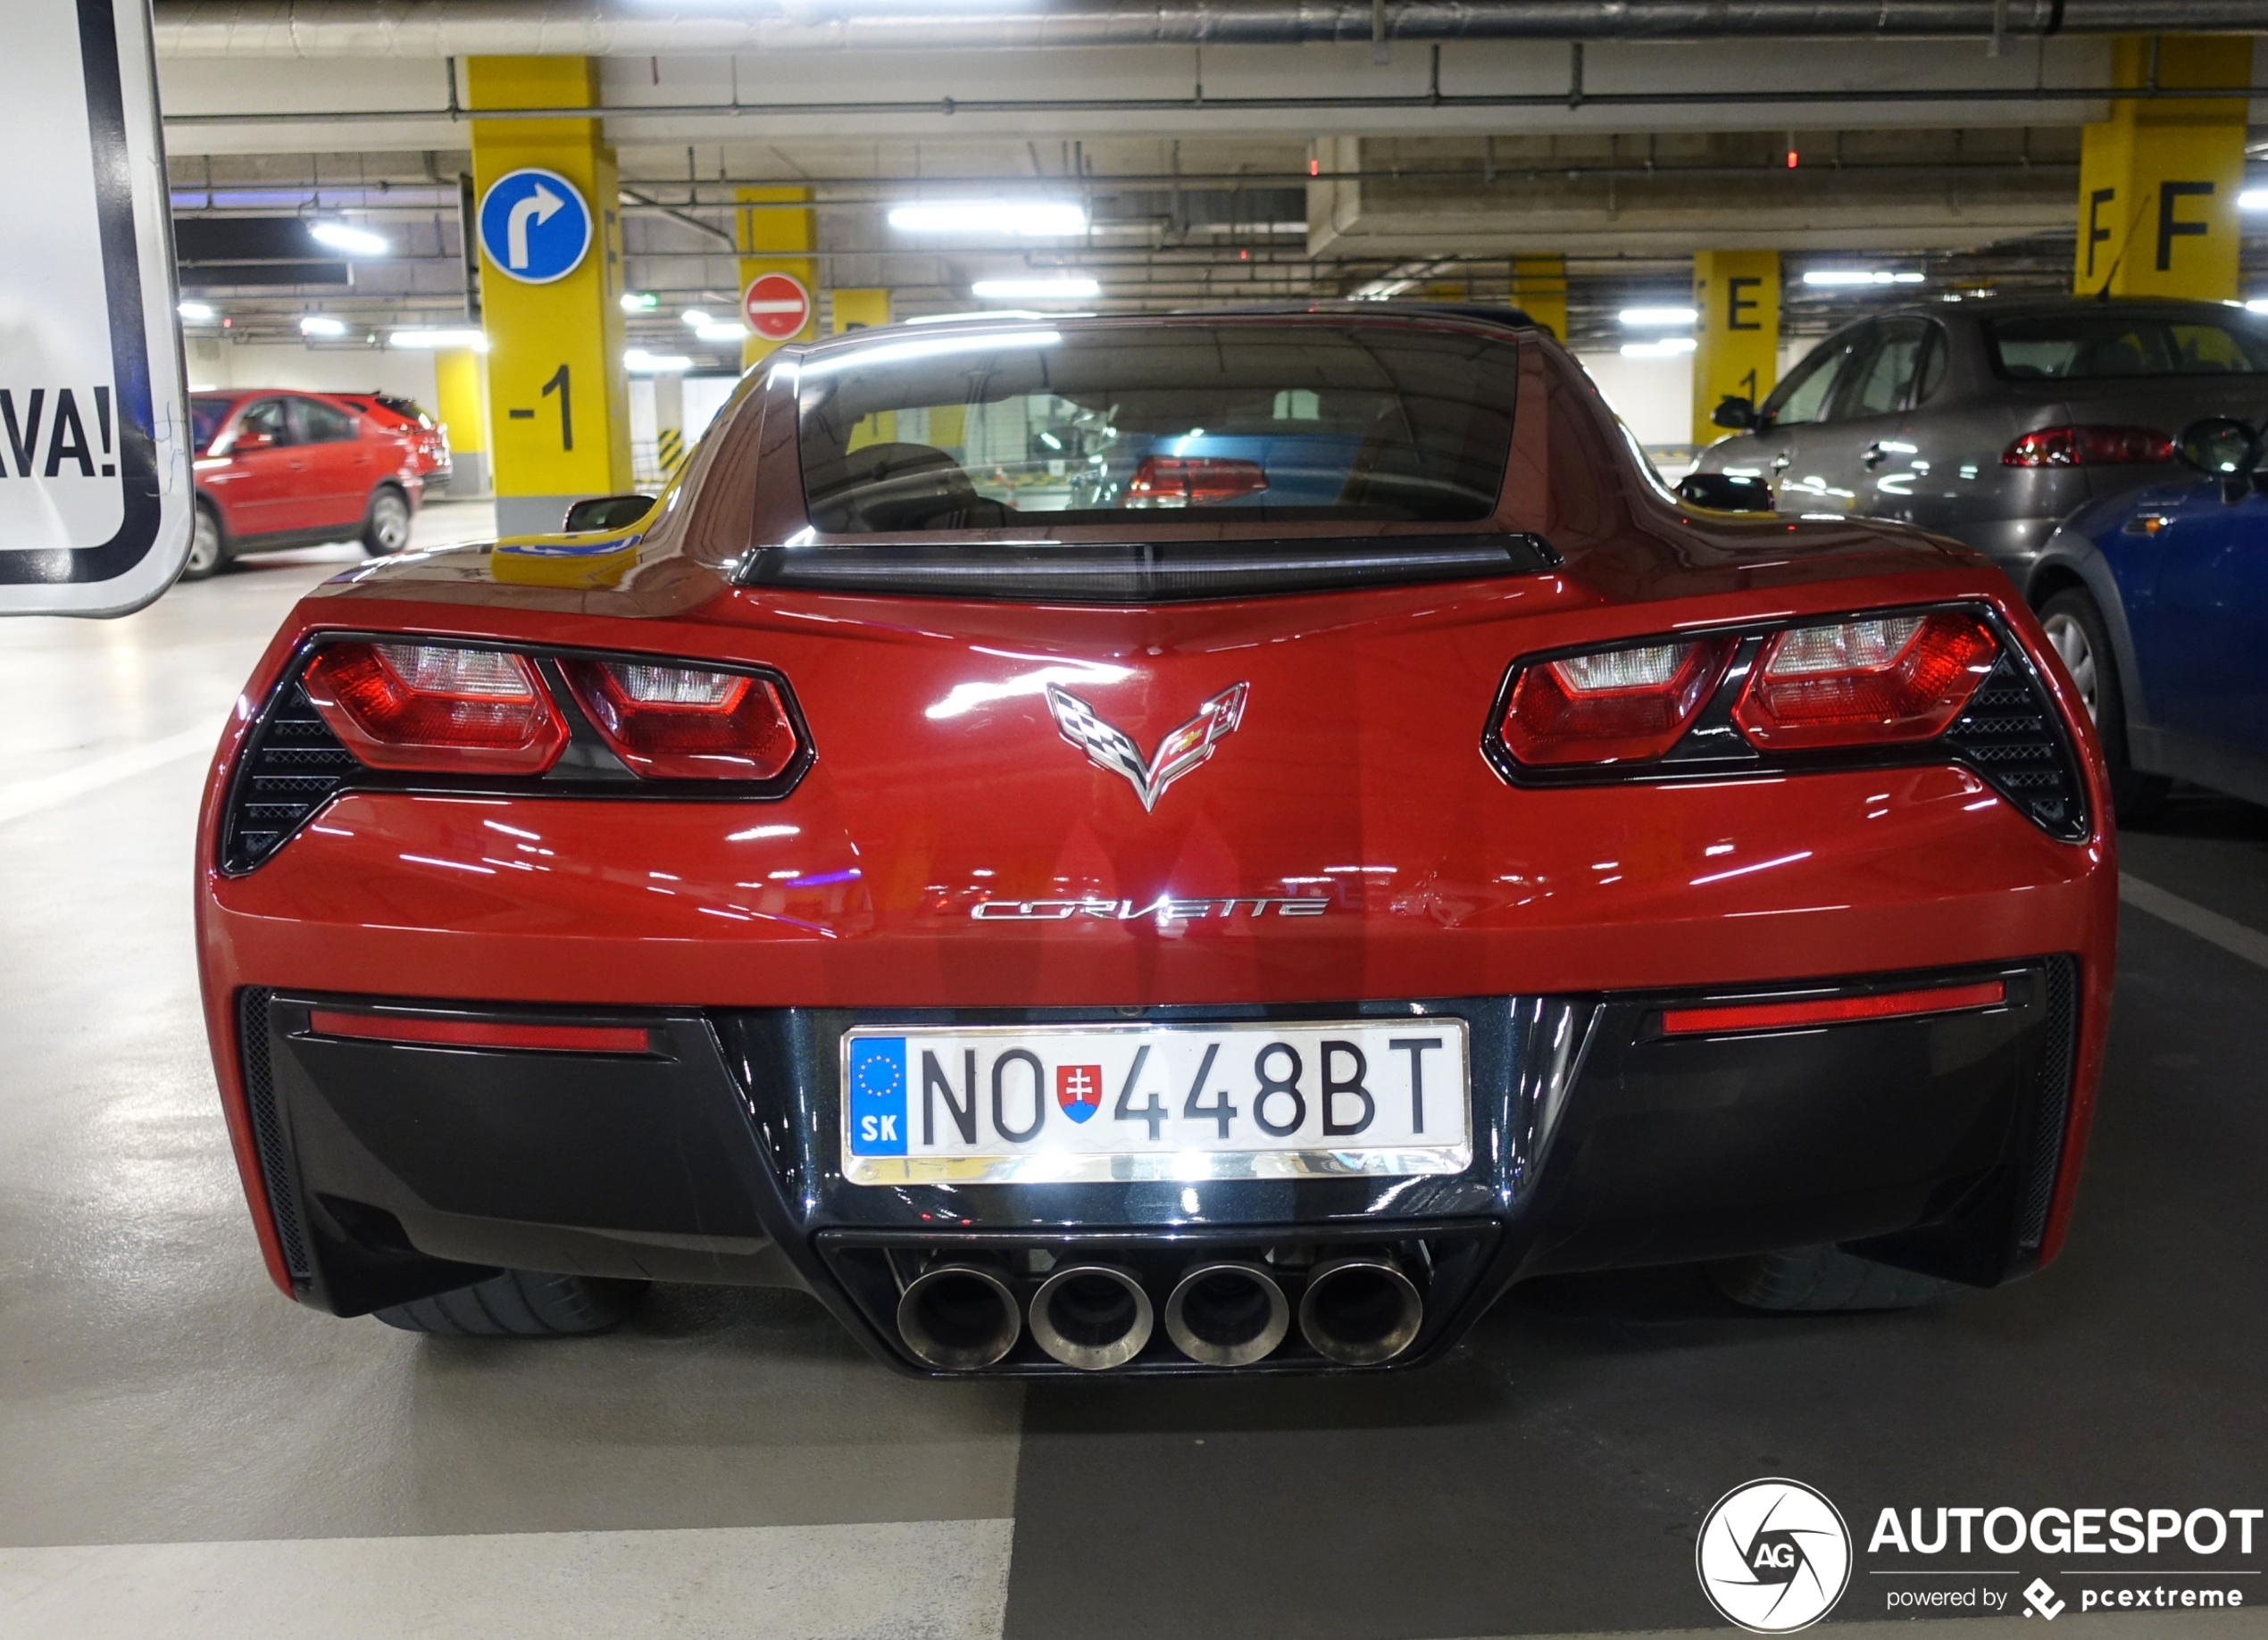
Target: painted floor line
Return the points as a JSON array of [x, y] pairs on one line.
[[919, 1581], [2237, 938], [30, 796]]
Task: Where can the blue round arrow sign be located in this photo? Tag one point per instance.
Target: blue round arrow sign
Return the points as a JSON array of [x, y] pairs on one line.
[[535, 226]]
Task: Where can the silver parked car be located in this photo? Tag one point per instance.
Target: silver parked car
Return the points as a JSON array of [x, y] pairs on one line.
[[1993, 421]]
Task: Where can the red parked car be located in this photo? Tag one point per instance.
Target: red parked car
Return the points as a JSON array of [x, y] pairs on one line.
[[277, 468], [1246, 930], [429, 438]]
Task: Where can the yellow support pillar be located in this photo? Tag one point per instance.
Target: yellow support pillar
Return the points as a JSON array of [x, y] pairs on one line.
[[561, 428], [778, 239], [1539, 290], [861, 310], [461, 404], [2158, 180], [1735, 335]]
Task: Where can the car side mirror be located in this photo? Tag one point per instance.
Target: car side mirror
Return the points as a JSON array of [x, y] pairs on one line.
[[2219, 445], [249, 440], [606, 512], [1737, 412], [1724, 492]]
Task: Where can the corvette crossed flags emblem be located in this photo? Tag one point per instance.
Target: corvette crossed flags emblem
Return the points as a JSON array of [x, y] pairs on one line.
[[1181, 750]]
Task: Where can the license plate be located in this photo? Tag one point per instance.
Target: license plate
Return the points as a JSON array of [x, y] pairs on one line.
[[1043, 1103]]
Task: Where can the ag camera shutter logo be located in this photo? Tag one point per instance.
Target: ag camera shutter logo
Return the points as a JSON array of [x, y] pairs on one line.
[[1773, 1556]]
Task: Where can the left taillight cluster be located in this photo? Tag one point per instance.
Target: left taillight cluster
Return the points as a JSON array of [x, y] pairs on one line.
[[1900, 685], [449, 710], [363, 712]]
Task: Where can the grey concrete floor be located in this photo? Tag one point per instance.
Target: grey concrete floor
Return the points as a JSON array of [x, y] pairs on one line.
[[184, 1452]]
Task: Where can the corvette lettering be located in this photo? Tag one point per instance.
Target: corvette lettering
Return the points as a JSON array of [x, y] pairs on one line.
[[1163, 908]]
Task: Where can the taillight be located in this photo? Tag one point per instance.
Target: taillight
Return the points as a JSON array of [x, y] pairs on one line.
[[2089, 446], [1877, 681], [679, 722], [1193, 481], [434, 706], [1611, 705]]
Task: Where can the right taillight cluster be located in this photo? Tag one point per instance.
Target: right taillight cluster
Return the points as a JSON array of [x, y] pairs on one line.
[[1875, 680], [369, 712], [1860, 690]]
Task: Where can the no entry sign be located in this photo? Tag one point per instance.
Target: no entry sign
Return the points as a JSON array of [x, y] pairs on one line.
[[777, 305], [94, 497]]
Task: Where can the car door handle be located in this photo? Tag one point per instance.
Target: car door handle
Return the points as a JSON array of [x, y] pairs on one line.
[[297, 466], [1873, 456]]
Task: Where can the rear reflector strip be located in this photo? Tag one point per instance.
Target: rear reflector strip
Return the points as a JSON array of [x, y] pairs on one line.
[[481, 1033], [1832, 1010]]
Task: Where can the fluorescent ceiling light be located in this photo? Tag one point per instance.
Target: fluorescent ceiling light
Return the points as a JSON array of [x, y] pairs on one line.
[[1667, 347], [1031, 219], [929, 348], [354, 241], [463, 336], [1637, 316], [655, 364], [321, 324], [1066, 289], [2258, 304], [196, 312], [723, 333], [695, 317], [2252, 199], [1859, 275], [639, 302]]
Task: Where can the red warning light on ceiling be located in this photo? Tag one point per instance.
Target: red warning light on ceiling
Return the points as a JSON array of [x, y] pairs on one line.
[[1314, 168], [1792, 157]]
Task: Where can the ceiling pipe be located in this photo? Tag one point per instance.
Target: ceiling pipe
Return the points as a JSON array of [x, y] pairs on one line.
[[438, 29]]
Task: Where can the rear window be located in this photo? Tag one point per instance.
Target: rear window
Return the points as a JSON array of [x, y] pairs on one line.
[[205, 418], [2078, 346], [997, 426]]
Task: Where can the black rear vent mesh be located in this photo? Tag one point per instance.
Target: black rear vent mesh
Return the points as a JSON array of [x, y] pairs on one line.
[[2053, 1108], [2008, 735], [292, 765], [267, 1131]]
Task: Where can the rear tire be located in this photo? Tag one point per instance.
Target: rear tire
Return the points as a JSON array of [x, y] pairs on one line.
[[519, 1303], [1824, 1279], [2075, 626], [208, 546], [386, 526]]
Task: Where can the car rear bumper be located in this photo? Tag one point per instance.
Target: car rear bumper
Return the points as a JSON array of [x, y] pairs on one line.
[[1939, 1141]]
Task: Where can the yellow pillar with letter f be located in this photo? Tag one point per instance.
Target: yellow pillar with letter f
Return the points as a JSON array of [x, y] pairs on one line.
[[2158, 180]]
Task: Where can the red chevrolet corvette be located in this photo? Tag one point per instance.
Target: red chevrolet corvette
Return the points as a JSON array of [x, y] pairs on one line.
[[1158, 845]]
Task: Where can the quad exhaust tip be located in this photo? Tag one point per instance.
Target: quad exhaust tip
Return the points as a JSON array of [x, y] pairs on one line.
[[1091, 1316], [1360, 1311], [1226, 1313], [958, 1317]]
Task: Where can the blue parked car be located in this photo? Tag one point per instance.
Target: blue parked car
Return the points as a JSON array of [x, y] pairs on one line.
[[2157, 600]]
